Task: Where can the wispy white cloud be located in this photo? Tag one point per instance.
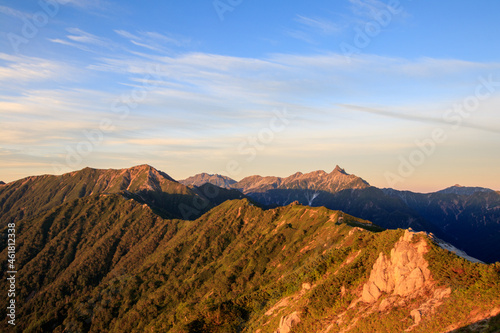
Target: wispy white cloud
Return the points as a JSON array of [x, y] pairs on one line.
[[206, 91], [313, 29], [301, 35], [432, 67], [166, 39], [147, 46], [415, 68], [154, 41], [81, 36], [13, 12], [322, 25], [126, 34], [88, 4], [369, 9], [68, 43], [198, 103], [21, 69], [436, 121], [84, 41], [201, 78]]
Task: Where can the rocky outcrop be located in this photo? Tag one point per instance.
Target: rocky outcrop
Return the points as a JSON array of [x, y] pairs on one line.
[[287, 322], [402, 276], [482, 321], [404, 273]]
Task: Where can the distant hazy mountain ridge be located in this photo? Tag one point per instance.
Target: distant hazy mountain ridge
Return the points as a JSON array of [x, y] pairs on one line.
[[203, 178], [463, 190]]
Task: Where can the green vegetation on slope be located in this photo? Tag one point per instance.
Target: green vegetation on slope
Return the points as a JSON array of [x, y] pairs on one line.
[[106, 263], [28, 197]]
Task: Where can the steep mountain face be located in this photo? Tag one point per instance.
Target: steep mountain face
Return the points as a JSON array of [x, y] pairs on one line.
[[107, 263], [203, 178], [469, 221], [316, 181], [218, 195], [2, 183], [30, 196], [73, 247]]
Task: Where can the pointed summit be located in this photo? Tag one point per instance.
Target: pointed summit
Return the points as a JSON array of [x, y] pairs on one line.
[[339, 170]]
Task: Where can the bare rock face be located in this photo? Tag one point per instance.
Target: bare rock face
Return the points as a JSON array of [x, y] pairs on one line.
[[417, 316], [287, 322], [404, 274]]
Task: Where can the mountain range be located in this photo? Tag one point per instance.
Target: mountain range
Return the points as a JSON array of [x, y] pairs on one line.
[[27, 197], [133, 250], [467, 217], [335, 181]]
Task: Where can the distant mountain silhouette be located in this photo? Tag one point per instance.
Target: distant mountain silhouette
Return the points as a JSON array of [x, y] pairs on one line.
[[203, 178], [462, 190], [469, 220]]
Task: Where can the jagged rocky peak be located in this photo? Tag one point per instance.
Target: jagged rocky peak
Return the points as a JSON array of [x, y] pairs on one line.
[[339, 170], [2, 183], [319, 180]]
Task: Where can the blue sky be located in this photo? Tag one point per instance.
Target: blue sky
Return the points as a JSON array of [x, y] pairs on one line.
[[402, 93]]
